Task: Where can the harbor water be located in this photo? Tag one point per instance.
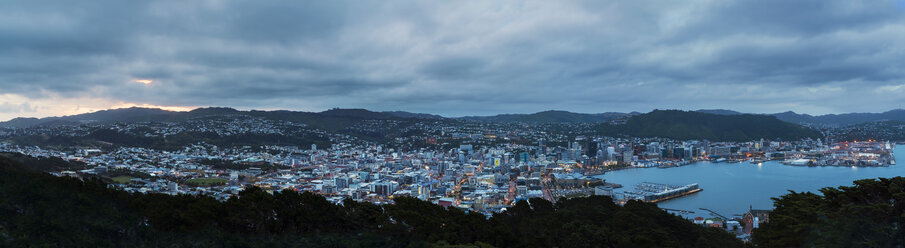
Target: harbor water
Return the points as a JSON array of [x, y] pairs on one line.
[[731, 188]]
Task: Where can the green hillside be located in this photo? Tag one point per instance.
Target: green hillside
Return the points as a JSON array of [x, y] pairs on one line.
[[685, 125], [551, 116]]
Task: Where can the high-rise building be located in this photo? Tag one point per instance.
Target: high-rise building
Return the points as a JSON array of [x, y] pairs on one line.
[[384, 188], [441, 168], [342, 182], [678, 153], [592, 149], [610, 153], [523, 157], [627, 156], [423, 191], [173, 187]]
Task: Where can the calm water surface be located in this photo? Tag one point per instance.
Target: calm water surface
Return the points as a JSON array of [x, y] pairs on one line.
[[731, 188]]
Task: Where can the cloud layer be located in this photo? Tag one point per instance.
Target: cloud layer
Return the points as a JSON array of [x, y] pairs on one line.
[[455, 57]]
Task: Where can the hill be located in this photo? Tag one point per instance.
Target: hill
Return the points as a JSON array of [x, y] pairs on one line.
[[111, 115], [403, 114], [685, 125], [841, 119], [828, 120], [718, 111], [357, 113], [214, 111], [880, 130], [330, 119], [723, 125], [21, 122], [40, 210], [333, 117], [552, 116]]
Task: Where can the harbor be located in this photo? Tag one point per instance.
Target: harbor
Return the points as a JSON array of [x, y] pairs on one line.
[[657, 192], [745, 185], [858, 154]]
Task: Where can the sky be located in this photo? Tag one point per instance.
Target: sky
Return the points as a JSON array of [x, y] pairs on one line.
[[452, 58]]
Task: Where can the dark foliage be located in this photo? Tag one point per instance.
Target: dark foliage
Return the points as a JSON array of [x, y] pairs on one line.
[[37, 209], [869, 214], [111, 173], [686, 125], [551, 116], [42, 164], [221, 164]]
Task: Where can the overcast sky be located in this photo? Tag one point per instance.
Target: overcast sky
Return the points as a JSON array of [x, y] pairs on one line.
[[453, 58]]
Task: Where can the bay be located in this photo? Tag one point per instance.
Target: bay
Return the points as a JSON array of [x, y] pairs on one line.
[[731, 189]]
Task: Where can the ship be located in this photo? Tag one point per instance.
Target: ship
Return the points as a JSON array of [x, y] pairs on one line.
[[657, 192], [758, 160], [797, 162]]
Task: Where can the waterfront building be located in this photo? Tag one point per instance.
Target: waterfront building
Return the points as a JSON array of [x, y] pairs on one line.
[[754, 217]]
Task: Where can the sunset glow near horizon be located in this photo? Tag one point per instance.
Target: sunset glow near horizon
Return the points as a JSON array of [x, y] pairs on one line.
[[63, 106]]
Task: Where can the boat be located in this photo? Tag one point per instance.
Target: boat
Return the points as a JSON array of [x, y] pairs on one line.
[[758, 161], [797, 162]]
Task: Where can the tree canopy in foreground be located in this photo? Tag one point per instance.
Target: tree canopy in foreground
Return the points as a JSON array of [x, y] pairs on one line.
[[38, 209], [869, 214]]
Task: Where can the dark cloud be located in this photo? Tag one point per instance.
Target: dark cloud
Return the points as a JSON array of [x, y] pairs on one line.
[[459, 58]]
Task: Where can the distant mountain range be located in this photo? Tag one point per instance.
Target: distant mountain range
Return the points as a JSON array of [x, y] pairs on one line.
[[718, 125], [553, 116], [842, 119], [833, 120], [332, 119], [333, 116], [836, 120], [127, 114]]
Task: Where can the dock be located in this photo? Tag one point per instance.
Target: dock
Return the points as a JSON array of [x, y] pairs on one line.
[[657, 192], [714, 213], [678, 211]]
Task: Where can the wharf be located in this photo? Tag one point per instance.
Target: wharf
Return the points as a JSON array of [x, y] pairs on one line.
[[656, 192]]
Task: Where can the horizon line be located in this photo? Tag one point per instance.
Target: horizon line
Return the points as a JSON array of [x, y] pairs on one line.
[[451, 117]]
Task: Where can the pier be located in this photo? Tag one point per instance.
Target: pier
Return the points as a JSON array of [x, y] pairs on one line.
[[715, 213], [678, 211], [656, 192]]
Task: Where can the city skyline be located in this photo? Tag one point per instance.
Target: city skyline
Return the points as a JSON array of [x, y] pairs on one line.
[[453, 58], [468, 123]]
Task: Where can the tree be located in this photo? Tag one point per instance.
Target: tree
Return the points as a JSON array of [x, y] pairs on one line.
[[869, 214]]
